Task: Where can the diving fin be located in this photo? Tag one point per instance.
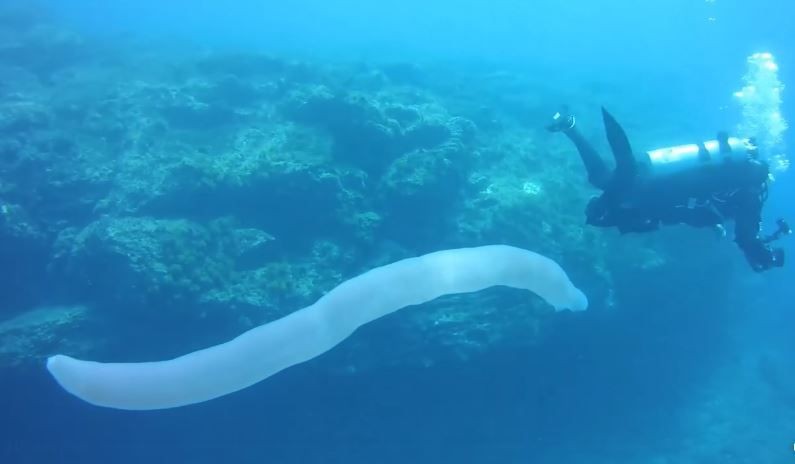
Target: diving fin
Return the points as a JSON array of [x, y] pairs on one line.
[[626, 165]]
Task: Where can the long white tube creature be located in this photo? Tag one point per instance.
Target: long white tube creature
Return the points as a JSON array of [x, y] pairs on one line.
[[300, 336]]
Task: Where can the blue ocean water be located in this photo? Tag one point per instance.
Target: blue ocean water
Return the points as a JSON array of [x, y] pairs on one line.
[[682, 357]]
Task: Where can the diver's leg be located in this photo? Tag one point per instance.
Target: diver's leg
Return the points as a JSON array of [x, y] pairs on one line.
[[626, 165], [598, 174]]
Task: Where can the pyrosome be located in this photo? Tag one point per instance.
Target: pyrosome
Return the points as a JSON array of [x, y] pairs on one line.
[[304, 334]]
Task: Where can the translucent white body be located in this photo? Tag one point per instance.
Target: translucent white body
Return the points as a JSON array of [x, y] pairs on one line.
[[311, 331]]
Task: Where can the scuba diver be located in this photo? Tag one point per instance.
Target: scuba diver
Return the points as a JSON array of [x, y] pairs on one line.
[[700, 185]]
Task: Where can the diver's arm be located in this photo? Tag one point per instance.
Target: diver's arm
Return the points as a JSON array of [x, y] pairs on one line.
[[748, 219]]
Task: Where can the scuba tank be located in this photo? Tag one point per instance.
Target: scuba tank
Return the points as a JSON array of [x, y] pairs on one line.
[[696, 169], [723, 154], [703, 169], [681, 173]]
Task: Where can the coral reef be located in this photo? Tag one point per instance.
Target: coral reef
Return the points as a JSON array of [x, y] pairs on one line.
[[146, 263], [39, 332], [199, 194], [371, 131], [238, 187], [29, 41], [24, 252]]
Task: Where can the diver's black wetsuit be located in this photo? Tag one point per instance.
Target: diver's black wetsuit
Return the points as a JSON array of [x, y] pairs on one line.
[[634, 201]]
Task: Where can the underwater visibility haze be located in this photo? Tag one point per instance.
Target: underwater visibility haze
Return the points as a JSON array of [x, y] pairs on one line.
[[359, 232]]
